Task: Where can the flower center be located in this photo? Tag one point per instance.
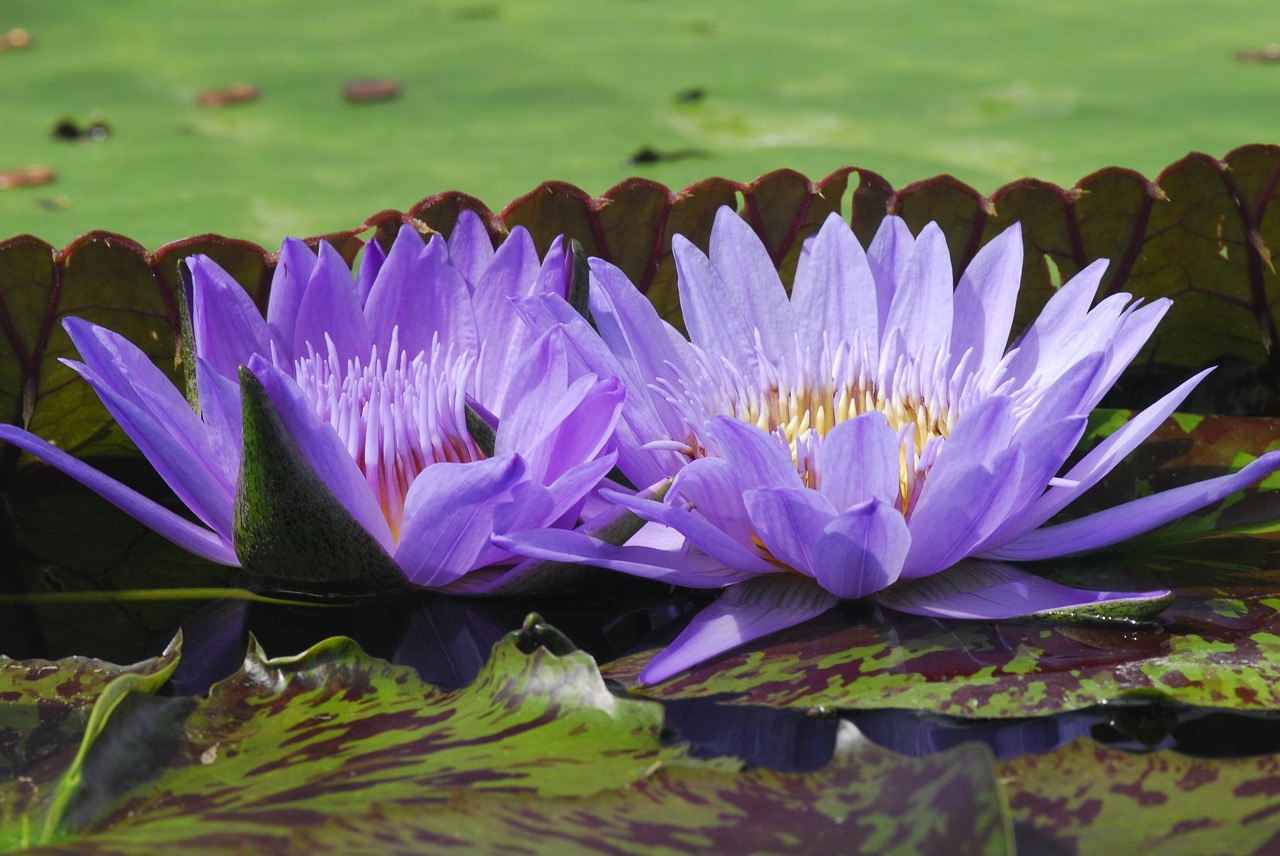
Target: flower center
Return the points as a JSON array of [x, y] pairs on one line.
[[799, 401], [396, 418]]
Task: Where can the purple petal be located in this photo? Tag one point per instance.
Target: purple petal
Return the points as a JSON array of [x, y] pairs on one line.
[[330, 309], [187, 535], [608, 525], [961, 510], [1104, 528], [569, 492], [288, 284], [858, 460], [710, 539], [1066, 396], [747, 271], [449, 517], [227, 326], [922, 304], [1134, 331], [985, 298], [758, 459], [1096, 464], [220, 412], [470, 247], [977, 438], [630, 327], [1044, 451], [324, 450], [1063, 312], [191, 473], [640, 421], [711, 486], [555, 427], [507, 338], [714, 318], [862, 551], [789, 523], [370, 264], [421, 296], [746, 612], [887, 257], [1061, 349], [676, 567], [554, 274], [834, 292], [989, 590]]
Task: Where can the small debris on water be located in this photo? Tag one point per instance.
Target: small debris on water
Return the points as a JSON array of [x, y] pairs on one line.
[[15, 39], [371, 89], [226, 96], [648, 154], [1268, 53], [69, 129], [26, 176]]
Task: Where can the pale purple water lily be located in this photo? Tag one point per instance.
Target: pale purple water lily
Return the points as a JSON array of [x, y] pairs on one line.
[[864, 435], [371, 378]]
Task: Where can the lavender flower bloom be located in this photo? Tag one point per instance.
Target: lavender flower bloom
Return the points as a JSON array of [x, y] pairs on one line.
[[863, 435], [363, 388]]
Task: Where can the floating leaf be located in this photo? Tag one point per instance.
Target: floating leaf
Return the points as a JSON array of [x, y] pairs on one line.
[[334, 751], [1087, 798], [1218, 645]]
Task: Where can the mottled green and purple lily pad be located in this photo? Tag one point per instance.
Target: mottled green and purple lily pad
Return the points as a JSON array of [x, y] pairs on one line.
[[335, 751]]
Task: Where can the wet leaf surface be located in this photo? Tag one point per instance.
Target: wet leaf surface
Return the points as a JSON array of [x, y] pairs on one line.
[[334, 751], [1087, 798]]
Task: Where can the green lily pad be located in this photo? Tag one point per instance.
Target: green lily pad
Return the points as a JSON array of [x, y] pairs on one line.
[[45, 705], [1217, 645], [1088, 798], [336, 751]]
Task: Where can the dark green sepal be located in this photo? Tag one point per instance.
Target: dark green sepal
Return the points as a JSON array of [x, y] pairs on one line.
[[579, 279], [291, 532], [187, 334], [481, 431]]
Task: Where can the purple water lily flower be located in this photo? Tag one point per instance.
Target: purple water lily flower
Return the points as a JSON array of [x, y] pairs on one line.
[[371, 381], [864, 435]]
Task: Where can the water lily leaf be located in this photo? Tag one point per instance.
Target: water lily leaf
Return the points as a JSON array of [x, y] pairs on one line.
[[868, 801], [335, 751], [46, 703], [49, 710], [1217, 645], [102, 277], [110, 555], [1088, 798]]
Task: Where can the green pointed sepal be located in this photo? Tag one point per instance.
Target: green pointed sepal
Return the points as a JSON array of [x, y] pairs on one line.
[[579, 279], [291, 532]]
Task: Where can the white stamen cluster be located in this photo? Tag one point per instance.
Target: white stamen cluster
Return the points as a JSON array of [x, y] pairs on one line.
[[395, 418]]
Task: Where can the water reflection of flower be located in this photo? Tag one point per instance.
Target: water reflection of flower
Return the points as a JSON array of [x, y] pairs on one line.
[[864, 433], [372, 380]]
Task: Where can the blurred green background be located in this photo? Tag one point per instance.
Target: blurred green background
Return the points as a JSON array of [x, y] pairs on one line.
[[499, 96]]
